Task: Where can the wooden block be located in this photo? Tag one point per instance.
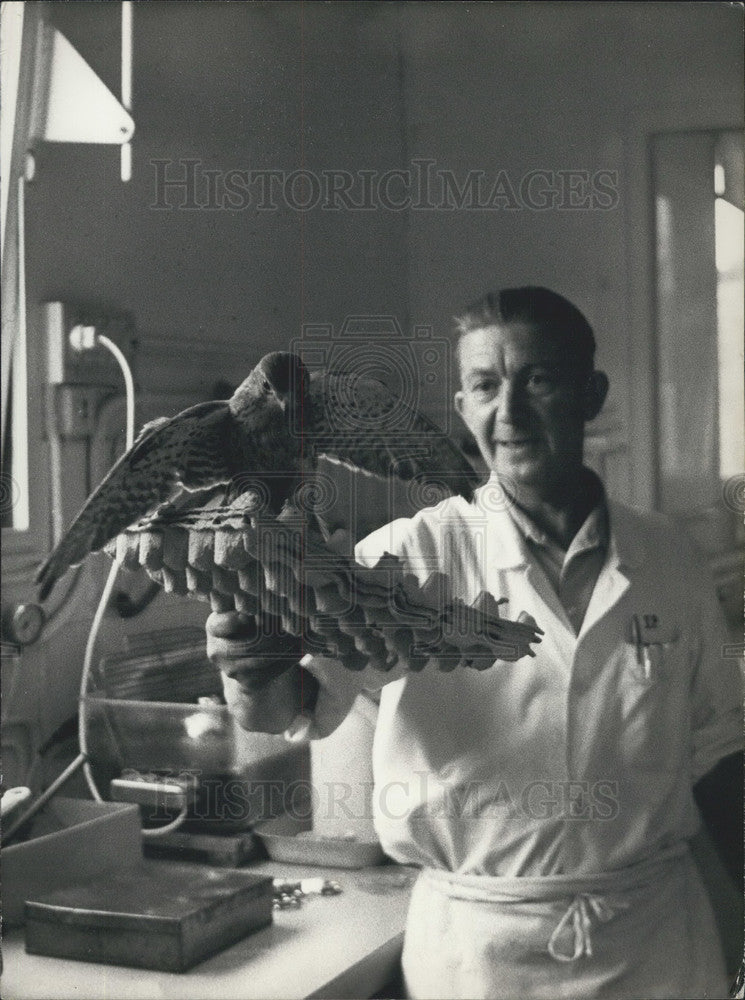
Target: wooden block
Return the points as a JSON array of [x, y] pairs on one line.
[[342, 645], [324, 625], [352, 622], [371, 644], [315, 575], [174, 582], [250, 541], [292, 623], [330, 601], [251, 578], [229, 551], [198, 581], [278, 578], [175, 548], [246, 604], [128, 550], [201, 549], [151, 549], [224, 580], [221, 602]]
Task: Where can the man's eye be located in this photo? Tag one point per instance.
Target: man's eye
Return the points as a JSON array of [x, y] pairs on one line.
[[484, 386], [540, 382]]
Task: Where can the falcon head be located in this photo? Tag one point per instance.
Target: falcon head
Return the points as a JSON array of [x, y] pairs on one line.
[[286, 374], [280, 375]]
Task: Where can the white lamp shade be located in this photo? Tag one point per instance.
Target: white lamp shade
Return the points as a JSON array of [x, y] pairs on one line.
[[71, 103]]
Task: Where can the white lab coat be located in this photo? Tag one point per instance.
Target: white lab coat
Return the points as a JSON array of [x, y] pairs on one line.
[[566, 767]]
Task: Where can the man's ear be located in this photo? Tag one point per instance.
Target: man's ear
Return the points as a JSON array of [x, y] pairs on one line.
[[596, 389], [458, 403]]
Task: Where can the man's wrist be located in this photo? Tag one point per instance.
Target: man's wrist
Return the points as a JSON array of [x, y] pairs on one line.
[[255, 678], [271, 706]]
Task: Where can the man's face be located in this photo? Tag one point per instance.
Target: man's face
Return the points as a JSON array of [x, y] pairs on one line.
[[522, 398]]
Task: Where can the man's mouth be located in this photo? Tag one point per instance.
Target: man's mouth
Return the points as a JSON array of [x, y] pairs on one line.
[[515, 442]]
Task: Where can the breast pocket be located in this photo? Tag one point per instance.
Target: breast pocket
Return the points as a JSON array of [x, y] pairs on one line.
[[654, 694], [653, 647], [652, 663]]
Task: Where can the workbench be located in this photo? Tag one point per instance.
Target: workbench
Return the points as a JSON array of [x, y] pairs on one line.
[[344, 946]]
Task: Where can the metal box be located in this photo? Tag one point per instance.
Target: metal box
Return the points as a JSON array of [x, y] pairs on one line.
[[160, 915]]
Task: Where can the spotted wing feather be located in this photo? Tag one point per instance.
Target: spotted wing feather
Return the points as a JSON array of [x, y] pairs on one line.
[[358, 421], [187, 449]]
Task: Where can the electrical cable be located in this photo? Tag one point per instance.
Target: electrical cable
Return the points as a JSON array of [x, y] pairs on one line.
[[161, 831], [129, 386], [110, 580], [103, 604]]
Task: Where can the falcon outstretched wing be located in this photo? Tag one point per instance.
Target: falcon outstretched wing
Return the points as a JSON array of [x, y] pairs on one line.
[[188, 449], [357, 420]]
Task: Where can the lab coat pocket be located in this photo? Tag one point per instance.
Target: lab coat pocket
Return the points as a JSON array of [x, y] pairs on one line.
[[652, 663]]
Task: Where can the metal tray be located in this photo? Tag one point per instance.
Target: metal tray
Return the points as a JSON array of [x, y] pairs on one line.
[[290, 839]]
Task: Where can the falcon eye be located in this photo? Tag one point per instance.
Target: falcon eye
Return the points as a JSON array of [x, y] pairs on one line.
[[266, 386]]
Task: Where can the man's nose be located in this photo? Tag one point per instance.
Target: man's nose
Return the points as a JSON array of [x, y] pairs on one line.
[[509, 404]]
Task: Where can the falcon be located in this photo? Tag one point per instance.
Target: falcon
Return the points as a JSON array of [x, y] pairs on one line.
[[262, 440]]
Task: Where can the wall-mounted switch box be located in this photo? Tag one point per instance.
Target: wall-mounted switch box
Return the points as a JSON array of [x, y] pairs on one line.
[[76, 407], [97, 366]]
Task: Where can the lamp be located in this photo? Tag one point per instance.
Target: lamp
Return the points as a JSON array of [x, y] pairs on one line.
[[70, 103]]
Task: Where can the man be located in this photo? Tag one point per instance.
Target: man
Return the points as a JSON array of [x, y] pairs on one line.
[[548, 802]]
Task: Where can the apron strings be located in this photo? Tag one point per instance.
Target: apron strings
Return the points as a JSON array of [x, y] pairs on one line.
[[578, 916]]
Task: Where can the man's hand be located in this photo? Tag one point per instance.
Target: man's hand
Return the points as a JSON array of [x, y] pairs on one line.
[[264, 685]]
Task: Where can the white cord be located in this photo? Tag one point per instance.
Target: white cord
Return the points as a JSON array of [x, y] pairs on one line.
[[87, 665], [101, 609], [108, 586], [161, 831], [129, 386]]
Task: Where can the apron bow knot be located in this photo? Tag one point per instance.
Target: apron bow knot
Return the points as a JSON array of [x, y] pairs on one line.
[[578, 916]]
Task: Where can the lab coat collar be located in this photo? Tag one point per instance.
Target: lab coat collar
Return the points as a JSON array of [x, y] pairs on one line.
[[510, 550], [627, 548], [626, 553]]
